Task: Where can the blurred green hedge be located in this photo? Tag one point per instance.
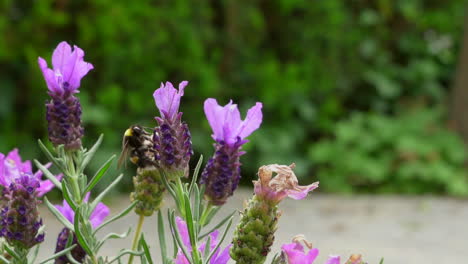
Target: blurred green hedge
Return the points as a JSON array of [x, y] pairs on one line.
[[312, 63]]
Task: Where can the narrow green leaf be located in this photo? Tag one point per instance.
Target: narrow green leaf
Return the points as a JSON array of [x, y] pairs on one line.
[[79, 235], [4, 260], [58, 254], [162, 237], [11, 252], [99, 174], [67, 197], [112, 236], [220, 224], [71, 258], [176, 235], [207, 248], [48, 174], [59, 215], [35, 253], [49, 155], [196, 206], [117, 217], [191, 228], [220, 241], [166, 184], [126, 252], [381, 261], [195, 174], [146, 249], [211, 214], [103, 193], [90, 153]]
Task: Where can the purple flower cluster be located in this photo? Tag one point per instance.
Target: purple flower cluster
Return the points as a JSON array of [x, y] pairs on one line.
[[19, 218], [222, 172], [97, 216], [64, 109], [172, 139]]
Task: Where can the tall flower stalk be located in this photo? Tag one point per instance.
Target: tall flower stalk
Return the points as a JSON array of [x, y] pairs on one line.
[[71, 158], [168, 151]]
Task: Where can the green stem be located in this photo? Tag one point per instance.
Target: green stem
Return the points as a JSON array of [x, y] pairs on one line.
[[73, 177], [205, 214], [137, 237]]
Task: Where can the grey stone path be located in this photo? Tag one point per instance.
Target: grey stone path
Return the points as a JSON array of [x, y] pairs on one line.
[[403, 230]]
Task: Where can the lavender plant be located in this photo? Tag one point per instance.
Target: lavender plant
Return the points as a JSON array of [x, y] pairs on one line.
[[161, 156]]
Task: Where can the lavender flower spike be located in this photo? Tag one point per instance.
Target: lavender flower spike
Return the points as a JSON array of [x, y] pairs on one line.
[[97, 217], [63, 80], [172, 138], [222, 172], [19, 218], [218, 257]]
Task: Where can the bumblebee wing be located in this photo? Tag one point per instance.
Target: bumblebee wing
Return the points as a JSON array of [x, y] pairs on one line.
[[124, 154]]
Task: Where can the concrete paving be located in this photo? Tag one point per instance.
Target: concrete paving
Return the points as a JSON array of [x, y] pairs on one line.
[[403, 230]]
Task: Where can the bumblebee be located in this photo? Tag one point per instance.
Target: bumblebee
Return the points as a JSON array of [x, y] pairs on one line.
[[137, 144]]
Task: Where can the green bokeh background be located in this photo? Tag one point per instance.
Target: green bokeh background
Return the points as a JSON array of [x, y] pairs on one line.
[[355, 92]]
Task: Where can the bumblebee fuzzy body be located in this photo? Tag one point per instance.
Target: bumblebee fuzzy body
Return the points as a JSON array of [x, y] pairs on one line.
[[137, 144]]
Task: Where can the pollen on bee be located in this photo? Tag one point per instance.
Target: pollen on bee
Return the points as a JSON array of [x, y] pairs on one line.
[[134, 160]]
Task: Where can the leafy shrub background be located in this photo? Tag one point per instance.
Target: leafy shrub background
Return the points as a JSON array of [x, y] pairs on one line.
[[407, 154], [312, 63]]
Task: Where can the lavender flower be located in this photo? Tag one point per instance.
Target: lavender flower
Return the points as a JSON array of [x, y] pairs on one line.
[[97, 217], [19, 218], [63, 81], [218, 257], [222, 172], [172, 139]]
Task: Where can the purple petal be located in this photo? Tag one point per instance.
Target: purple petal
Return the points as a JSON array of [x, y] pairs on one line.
[[252, 121], [167, 99], [99, 214], [301, 191], [47, 185], [49, 76], [3, 180], [222, 258], [66, 211], [75, 68], [182, 227], [86, 198], [297, 256], [215, 115], [61, 55], [333, 260], [181, 259], [232, 122]]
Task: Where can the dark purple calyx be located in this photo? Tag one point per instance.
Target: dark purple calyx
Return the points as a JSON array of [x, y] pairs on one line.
[[173, 145], [77, 253], [222, 172], [63, 114], [19, 217]]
